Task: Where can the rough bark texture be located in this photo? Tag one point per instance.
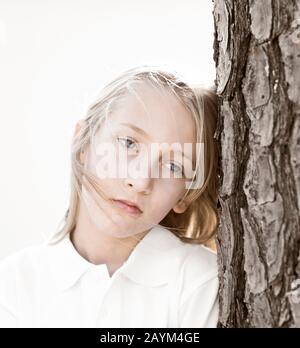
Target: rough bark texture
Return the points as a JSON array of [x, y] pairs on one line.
[[257, 55]]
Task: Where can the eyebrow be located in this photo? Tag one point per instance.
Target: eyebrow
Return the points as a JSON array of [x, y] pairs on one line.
[[146, 135], [137, 129]]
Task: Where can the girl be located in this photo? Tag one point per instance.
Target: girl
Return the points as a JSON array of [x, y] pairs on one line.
[[131, 252]]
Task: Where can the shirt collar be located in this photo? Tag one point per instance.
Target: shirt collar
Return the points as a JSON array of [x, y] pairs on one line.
[[148, 264]]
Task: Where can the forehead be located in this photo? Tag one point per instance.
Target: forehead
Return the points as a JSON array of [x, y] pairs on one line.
[[155, 110]]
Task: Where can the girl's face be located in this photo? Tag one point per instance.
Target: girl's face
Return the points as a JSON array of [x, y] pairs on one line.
[[151, 117]]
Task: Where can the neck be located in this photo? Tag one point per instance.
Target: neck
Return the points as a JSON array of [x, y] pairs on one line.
[[98, 247]]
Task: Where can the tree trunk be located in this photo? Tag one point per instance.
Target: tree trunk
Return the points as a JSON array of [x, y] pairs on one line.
[[257, 55]]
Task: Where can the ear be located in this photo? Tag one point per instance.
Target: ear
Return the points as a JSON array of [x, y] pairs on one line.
[[78, 126], [82, 156], [180, 207]]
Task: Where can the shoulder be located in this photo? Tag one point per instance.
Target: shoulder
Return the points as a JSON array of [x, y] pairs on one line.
[[192, 263], [23, 262], [195, 260], [197, 286], [198, 263], [17, 272], [198, 270]]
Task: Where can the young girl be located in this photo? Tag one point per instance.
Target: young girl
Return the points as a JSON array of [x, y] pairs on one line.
[[132, 251]]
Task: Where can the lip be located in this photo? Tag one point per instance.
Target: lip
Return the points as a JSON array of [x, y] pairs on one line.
[[127, 206]]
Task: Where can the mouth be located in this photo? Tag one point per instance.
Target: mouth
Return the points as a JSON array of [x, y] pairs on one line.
[[127, 206]]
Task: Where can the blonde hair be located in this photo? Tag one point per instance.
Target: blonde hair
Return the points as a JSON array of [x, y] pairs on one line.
[[199, 222]]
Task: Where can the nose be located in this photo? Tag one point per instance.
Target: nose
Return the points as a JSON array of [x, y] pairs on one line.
[[140, 176], [139, 185]]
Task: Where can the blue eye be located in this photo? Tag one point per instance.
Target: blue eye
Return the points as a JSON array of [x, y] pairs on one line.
[[180, 168], [126, 140]]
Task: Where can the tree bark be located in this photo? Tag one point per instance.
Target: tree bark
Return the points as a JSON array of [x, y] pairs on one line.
[[257, 56]]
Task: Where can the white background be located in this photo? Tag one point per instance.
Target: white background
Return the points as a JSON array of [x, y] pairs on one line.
[[55, 56]]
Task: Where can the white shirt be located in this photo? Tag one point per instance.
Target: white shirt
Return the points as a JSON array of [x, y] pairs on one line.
[[164, 283]]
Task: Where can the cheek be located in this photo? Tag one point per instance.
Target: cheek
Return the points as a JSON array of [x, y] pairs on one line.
[[101, 212], [171, 189], [107, 161], [167, 196], [101, 161]]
